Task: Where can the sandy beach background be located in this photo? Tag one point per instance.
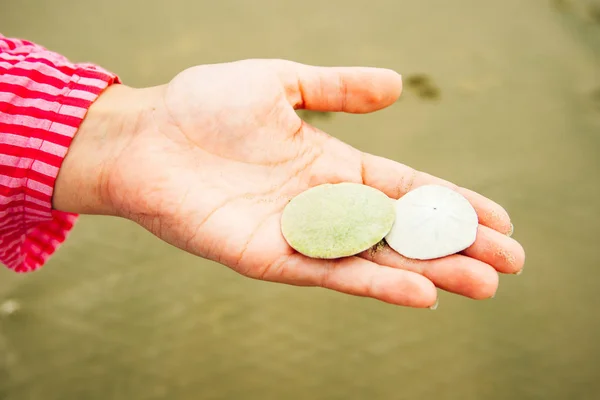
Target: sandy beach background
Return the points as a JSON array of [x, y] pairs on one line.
[[502, 97]]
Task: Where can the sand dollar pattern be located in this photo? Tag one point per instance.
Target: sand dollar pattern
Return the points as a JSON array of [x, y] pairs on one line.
[[432, 221], [337, 220]]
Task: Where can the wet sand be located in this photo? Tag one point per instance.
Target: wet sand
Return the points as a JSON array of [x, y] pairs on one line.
[[501, 97]]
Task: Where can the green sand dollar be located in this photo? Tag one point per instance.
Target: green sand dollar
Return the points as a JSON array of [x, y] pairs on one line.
[[337, 220]]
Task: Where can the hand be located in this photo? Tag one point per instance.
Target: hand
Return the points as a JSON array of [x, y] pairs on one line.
[[208, 162]]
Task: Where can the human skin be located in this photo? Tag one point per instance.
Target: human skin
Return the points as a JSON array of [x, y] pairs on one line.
[[208, 161]]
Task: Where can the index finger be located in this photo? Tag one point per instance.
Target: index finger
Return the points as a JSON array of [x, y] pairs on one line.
[[395, 180]]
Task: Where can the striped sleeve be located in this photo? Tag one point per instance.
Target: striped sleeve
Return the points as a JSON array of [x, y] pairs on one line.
[[43, 100]]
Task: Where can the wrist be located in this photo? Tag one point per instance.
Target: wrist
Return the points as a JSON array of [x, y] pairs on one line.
[[84, 179]]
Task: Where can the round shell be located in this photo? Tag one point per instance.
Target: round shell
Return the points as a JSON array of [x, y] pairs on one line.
[[337, 220], [431, 222]]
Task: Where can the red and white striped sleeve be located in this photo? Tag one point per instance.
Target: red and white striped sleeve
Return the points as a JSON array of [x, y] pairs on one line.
[[43, 100]]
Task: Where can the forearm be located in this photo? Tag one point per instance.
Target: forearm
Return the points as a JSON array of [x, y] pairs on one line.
[[87, 175]]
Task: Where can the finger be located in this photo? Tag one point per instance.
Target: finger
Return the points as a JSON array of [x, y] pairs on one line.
[[355, 276], [395, 180], [341, 89], [456, 273], [506, 255]]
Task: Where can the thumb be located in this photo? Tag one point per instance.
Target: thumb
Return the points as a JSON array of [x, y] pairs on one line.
[[346, 89]]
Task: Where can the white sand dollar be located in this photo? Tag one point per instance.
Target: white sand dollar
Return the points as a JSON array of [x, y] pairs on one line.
[[431, 222], [337, 220]]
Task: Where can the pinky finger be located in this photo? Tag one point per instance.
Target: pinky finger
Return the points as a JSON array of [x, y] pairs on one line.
[[355, 276]]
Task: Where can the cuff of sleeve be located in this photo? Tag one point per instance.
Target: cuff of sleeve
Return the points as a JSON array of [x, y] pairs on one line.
[[30, 230]]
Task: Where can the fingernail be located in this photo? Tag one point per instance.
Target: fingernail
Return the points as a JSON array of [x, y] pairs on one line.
[[494, 295], [512, 230], [435, 306], [520, 271]]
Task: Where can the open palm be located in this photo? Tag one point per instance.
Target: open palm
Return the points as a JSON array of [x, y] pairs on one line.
[[222, 150]]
